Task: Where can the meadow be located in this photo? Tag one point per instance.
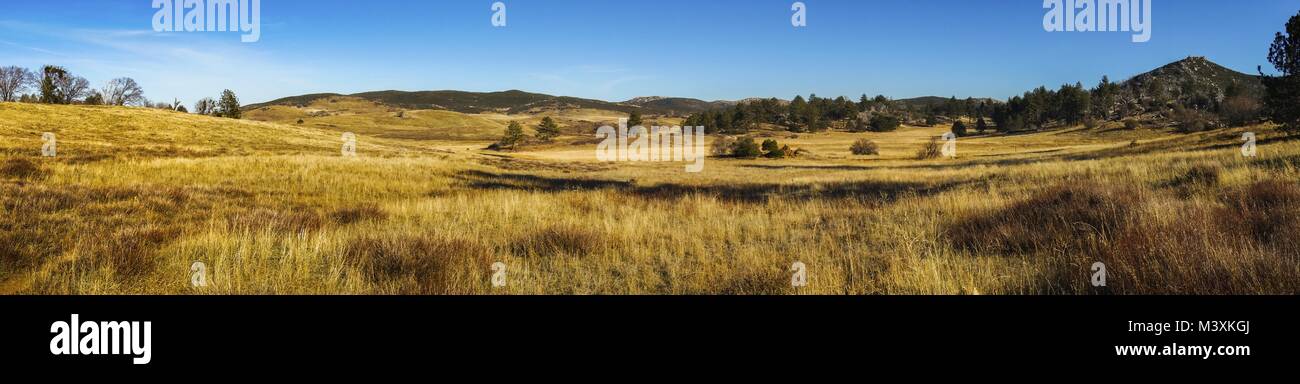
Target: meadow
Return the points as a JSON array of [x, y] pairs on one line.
[[136, 196]]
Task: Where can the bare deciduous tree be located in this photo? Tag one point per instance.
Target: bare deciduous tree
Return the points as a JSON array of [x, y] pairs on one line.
[[205, 106], [123, 91], [13, 80], [71, 88]]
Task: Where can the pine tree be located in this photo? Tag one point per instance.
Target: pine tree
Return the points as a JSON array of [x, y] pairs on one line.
[[514, 135], [229, 105], [634, 119], [548, 129], [1283, 92]]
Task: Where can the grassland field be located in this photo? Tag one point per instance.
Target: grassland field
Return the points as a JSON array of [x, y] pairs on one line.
[[136, 196]]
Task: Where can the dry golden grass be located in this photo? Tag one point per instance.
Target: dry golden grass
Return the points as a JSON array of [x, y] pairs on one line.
[[137, 196]]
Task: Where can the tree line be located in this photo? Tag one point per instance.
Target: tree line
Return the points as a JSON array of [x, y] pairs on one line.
[[53, 84], [817, 114]]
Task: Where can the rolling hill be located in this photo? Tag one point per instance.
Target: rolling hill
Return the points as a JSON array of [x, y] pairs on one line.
[[676, 105], [1190, 79], [92, 133]]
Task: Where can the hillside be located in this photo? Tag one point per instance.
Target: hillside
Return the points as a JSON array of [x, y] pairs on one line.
[[1194, 80], [90, 133], [676, 105], [373, 118], [512, 101]]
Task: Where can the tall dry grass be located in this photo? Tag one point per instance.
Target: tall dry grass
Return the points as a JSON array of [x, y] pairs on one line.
[[1176, 214]]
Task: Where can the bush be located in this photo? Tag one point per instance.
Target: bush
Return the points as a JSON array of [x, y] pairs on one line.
[[864, 147], [1191, 120], [931, 150], [722, 146], [746, 148], [857, 125], [1240, 110], [959, 128], [773, 150], [1131, 124], [884, 123]]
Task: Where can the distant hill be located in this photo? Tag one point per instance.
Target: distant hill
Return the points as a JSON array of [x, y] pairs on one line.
[[676, 105], [1191, 79], [513, 101], [1188, 80]]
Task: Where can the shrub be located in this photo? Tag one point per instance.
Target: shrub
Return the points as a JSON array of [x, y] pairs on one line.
[[959, 128], [770, 146], [1190, 120], [857, 125], [884, 123], [1131, 124], [1240, 110], [864, 147], [931, 150], [722, 146], [746, 148]]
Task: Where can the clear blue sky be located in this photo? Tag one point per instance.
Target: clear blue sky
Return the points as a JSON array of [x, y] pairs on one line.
[[618, 49]]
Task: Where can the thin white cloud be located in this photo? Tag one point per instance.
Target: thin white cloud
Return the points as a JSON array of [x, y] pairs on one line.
[[187, 66]]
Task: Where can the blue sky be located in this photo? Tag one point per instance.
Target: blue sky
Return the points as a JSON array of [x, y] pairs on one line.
[[618, 49]]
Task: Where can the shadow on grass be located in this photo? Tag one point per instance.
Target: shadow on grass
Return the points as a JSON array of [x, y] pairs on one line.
[[746, 193]]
